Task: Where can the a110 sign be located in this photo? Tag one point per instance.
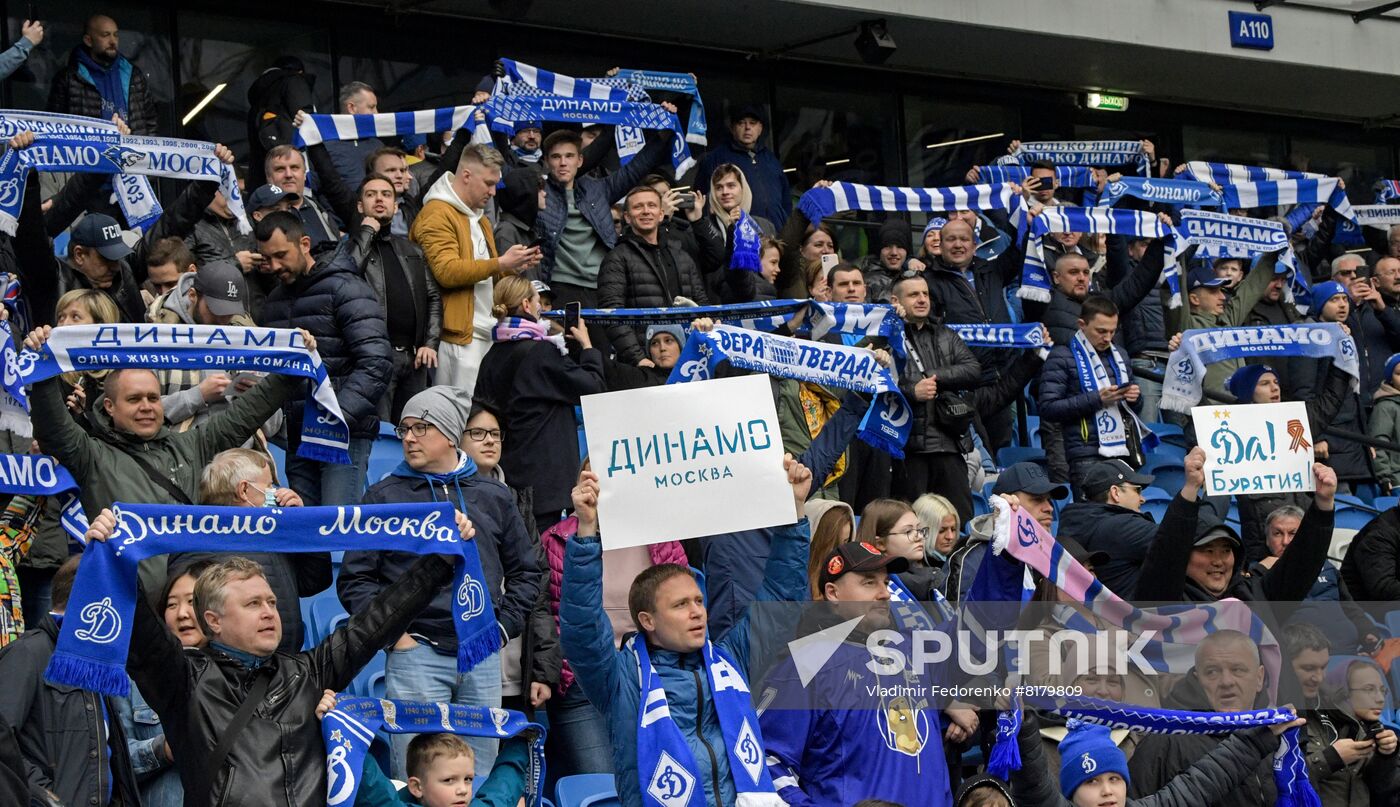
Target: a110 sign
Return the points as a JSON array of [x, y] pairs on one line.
[[1251, 30]]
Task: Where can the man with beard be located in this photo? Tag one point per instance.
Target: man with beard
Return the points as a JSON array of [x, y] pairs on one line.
[[850, 733], [407, 292]]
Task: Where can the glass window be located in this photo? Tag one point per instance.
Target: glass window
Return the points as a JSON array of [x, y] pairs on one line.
[[1233, 146], [1359, 165], [218, 50], [143, 38], [946, 139], [841, 136]]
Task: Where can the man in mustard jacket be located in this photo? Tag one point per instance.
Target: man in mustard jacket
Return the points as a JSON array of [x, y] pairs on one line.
[[461, 252]]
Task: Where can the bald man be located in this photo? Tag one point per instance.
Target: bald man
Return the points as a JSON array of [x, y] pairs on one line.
[[99, 82]]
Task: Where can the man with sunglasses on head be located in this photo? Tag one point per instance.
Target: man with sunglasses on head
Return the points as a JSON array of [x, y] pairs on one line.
[[422, 664]]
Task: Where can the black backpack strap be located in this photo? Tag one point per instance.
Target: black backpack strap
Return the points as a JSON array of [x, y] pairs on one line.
[[161, 480], [239, 722]]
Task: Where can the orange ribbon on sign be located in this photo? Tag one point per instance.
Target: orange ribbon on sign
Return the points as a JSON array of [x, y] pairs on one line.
[[1295, 430]]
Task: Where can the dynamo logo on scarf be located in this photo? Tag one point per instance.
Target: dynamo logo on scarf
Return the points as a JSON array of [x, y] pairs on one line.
[[1179, 192], [1186, 369]]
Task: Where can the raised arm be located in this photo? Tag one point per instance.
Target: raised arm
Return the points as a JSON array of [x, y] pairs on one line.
[[585, 633], [1214, 776], [1296, 570], [1170, 552], [1250, 291]]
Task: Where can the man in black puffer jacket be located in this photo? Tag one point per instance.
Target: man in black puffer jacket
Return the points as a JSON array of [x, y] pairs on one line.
[[331, 300], [646, 269], [939, 363]]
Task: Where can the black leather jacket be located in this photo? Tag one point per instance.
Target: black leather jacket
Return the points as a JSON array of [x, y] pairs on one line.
[[278, 760], [427, 300]]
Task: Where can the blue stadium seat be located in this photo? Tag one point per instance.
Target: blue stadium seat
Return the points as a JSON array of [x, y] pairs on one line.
[[1384, 503], [1033, 430], [279, 458], [586, 790], [363, 684], [979, 505], [1168, 451], [1392, 623], [310, 633], [1366, 491], [1170, 478], [1164, 429], [1157, 460], [1350, 500], [1152, 493], [1157, 508], [1010, 455], [1352, 518], [327, 613]]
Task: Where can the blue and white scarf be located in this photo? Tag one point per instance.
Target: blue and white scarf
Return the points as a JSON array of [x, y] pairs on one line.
[[696, 131], [747, 254], [1098, 153], [818, 203], [996, 335], [666, 770], [14, 412], [909, 613], [1035, 276], [349, 730], [1380, 216], [1186, 369], [1220, 235], [41, 475], [1233, 174], [137, 199], [1179, 192], [1111, 421], [129, 158], [324, 434], [93, 645], [886, 425], [1068, 176], [1277, 193], [529, 93], [322, 128], [1290, 766]]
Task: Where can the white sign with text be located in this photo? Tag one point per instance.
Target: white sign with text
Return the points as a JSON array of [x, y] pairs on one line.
[[1255, 448], [685, 460]]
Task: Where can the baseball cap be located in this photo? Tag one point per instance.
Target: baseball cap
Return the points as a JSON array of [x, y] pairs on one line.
[[1217, 531], [1076, 550], [102, 233], [268, 196], [221, 284], [1031, 478], [1103, 475], [541, 287], [1204, 277], [858, 556]]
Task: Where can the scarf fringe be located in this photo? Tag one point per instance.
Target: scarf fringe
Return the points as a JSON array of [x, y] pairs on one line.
[[85, 673], [320, 453], [1005, 756], [478, 648], [1033, 293]]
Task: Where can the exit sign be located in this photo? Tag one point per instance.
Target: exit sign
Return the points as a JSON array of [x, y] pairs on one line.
[[1251, 30]]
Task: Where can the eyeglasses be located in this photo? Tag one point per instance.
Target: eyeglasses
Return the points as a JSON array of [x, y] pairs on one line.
[[419, 429], [910, 534], [1344, 273], [480, 435], [1372, 691]]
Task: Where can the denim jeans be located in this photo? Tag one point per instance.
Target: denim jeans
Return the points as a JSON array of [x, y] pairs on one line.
[[422, 674], [1151, 390], [578, 738], [328, 483]]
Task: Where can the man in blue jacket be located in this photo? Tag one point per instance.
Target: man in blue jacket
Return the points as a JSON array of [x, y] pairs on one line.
[[422, 664], [772, 195], [693, 725]]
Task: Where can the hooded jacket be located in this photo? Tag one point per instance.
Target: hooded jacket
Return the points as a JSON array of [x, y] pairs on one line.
[[1384, 424], [466, 283], [714, 232], [954, 578], [763, 172], [637, 274], [339, 308], [75, 92], [609, 675], [514, 573]]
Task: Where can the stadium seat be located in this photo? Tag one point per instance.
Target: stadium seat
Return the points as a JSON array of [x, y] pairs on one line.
[[327, 613], [363, 684], [1010, 455], [279, 458], [310, 635], [1152, 493], [1392, 623], [1157, 460], [1164, 429], [1341, 542], [1033, 430], [1350, 500], [1157, 508], [1353, 518], [980, 506], [1168, 451], [586, 790], [1366, 491], [1384, 503], [1170, 478]]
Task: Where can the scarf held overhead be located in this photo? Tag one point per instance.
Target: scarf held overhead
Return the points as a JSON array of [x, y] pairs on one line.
[[1035, 276], [93, 645], [1099, 153], [849, 368], [322, 128], [1186, 369], [839, 197], [349, 729], [1220, 235], [324, 433], [666, 770]]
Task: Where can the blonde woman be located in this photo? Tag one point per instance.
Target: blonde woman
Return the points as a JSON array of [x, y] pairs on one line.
[[531, 381], [84, 307], [940, 518]]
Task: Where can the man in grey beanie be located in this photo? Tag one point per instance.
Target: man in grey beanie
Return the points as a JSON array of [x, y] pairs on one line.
[[422, 664]]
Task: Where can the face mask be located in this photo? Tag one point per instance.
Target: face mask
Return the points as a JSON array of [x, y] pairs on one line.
[[270, 497]]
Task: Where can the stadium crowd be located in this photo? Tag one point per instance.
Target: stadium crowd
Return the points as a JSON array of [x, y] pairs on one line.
[[456, 286]]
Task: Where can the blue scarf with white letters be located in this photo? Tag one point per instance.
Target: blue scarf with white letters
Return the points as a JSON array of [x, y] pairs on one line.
[[322, 128], [93, 645], [997, 335], [666, 770], [1112, 420], [1099, 153], [681, 84], [348, 731], [1035, 276], [325, 437], [1186, 369], [129, 158], [746, 254], [887, 423], [41, 475], [1220, 235], [1179, 192]]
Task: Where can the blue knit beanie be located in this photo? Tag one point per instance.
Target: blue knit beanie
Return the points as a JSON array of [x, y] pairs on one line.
[[1243, 381], [1323, 292], [1088, 751], [1390, 367], [934, 223]]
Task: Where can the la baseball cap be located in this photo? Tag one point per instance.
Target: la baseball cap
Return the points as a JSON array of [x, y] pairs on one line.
[[221, 284]]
